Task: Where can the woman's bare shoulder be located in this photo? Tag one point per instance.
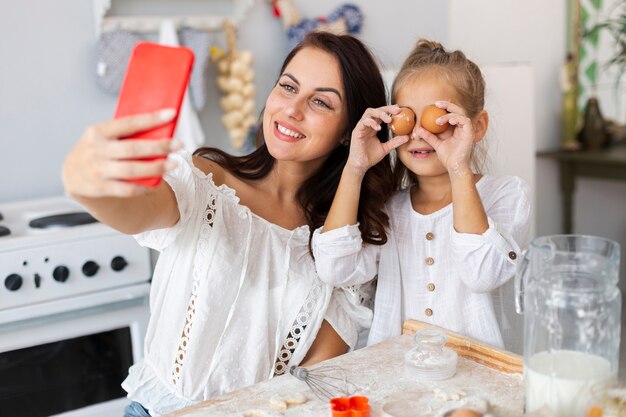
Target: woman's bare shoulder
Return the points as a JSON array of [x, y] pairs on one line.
[[207, 166]]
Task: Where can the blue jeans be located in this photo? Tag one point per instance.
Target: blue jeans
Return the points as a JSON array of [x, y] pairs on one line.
[[135, 409]]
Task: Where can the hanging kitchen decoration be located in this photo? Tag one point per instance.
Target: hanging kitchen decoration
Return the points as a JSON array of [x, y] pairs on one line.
[[117, 35], [235, 81], [115, 47], [346, 18]]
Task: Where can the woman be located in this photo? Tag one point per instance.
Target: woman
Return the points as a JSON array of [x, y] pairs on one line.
[[235, 296]]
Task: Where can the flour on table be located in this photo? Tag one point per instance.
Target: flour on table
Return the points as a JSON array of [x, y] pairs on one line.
[[377, 372], [405, 408], [477, 404], [262, 413]]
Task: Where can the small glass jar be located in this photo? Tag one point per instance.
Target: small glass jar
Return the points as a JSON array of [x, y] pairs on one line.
[[430, 360]]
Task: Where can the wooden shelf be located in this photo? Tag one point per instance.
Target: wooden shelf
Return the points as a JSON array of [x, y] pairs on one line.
[[609, 164]]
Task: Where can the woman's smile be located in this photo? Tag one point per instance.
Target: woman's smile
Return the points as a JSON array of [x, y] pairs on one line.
[[287, 133]]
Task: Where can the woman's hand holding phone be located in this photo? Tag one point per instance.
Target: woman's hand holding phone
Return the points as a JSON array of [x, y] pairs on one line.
[[101, 165], [104, 165]]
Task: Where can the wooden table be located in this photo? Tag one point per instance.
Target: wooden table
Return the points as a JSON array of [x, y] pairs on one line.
[[379, 372], [604, 164]]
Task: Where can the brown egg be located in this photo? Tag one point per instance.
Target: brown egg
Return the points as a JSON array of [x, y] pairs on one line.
[[403, 122], [429, 115], [464, 412]]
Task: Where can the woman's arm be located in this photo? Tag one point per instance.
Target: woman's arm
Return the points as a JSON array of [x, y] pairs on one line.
[[95, 173], [327, 344]]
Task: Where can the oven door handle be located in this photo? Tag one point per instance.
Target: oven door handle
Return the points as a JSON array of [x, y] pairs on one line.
[[50, 308]]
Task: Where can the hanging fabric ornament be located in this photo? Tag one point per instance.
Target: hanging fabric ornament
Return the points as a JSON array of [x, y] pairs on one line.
[[345, 19], [115, 48], [235, 81], [275, 9]]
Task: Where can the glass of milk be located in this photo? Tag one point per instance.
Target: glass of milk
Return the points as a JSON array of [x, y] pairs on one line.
[[566, 287]]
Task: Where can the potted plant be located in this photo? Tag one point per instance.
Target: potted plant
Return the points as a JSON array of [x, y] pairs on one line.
[[615, 26]]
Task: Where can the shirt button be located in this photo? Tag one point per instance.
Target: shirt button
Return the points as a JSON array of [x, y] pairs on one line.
[[429, 236], [428, 312], [513, 255], [431, 287], [430, 261]]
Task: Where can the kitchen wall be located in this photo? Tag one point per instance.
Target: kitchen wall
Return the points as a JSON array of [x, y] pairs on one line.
[[534, 31], [48, 92]]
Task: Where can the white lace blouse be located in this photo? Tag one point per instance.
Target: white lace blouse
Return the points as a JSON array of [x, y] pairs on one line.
[[429, 272], [234, 299]]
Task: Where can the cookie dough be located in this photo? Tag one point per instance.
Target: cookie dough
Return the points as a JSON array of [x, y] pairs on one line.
[[281, 402], [278, 403], [295, 399], [449, 395]]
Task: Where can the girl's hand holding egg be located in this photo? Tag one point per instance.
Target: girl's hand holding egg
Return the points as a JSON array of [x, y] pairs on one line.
[[366, 150], [430, 115], [453, 146], [403, 122]]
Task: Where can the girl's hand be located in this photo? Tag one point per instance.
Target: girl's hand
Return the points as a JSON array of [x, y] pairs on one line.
[[453, 150], [100, 162], [366, 150]]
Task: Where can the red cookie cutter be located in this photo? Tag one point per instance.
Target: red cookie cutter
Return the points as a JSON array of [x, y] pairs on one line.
[[350, 407]]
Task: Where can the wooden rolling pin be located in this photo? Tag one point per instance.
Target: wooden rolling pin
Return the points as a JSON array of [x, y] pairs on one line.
[[472, 349]]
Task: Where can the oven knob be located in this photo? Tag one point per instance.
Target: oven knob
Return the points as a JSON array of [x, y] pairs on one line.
[[61, 273], [13, 282], [90, 268], [118, 263]]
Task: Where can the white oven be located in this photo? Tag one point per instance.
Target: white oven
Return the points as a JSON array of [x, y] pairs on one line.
[[73, 311]]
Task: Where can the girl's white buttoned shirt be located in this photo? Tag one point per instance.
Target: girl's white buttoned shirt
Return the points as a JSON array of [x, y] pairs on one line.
[[430, 272]]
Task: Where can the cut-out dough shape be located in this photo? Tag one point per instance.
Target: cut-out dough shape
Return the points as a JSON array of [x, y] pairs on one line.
[[281, 402], [278, 403], [295, 399], [452, 395]]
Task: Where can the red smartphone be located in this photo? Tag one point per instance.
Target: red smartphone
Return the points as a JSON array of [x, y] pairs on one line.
[[156, 78]]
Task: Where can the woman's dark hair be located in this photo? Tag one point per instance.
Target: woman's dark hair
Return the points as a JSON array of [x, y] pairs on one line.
[[364, 87]]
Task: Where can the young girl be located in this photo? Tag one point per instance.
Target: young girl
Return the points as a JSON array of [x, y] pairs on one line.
[[455, 234], [235, 298]]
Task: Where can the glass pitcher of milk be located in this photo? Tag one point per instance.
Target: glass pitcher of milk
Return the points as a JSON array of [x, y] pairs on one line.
[[566, 287]]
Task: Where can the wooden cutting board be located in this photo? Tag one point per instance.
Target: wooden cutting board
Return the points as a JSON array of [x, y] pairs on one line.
[[491, 356]]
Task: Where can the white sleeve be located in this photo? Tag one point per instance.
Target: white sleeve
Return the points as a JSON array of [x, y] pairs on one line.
[[348, 312], [486, 261], [387, 321], [341, 259], [182, 181]]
